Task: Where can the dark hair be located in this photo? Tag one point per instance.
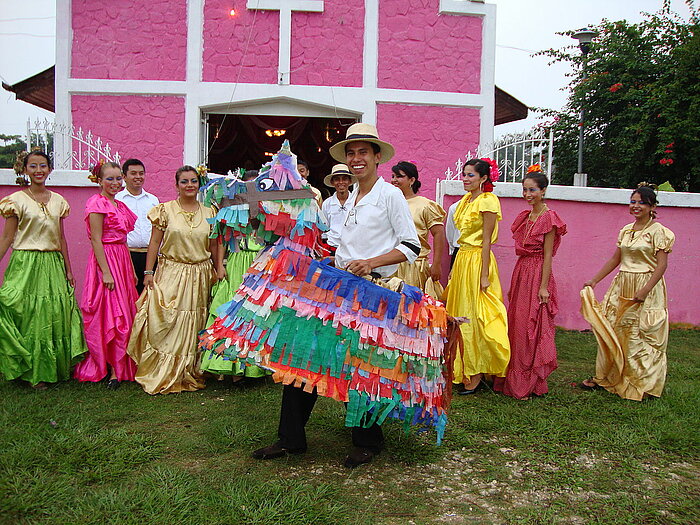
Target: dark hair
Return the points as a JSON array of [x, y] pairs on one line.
[[483, 168], [132, 162], [302, 163], [648, 196], [105, 165], [375, 147], [184, 169], [38, 154], [540, 179], [411, 172]]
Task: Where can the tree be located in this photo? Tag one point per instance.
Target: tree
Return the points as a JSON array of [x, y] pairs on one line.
[[642, 103], [8, 152]]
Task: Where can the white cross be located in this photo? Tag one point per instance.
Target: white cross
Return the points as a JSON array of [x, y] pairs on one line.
[[285, 7]]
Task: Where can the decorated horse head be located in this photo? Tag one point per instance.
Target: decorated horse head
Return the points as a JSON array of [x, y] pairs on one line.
[[278, 203], [319, 327]]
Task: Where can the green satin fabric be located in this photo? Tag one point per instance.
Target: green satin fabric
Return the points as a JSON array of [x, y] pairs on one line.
[[223, 291], [41, 329]]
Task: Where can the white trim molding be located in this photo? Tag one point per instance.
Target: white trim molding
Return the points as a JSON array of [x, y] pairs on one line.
[[285, 7]]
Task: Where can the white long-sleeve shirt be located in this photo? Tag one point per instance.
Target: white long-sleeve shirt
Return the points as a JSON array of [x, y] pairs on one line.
[[141, 204], [379, 223], [451, 231], [335, 213]]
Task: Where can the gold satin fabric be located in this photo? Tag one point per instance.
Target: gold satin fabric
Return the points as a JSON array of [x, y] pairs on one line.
[[164, 336], [183, 241], [39, 227], [470, 221], [632, 336], [426, 214]]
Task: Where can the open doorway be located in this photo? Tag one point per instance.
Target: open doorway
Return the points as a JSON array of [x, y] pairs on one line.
[[248, 141]]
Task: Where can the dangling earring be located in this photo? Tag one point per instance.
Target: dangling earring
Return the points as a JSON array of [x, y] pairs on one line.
[[481, 186]]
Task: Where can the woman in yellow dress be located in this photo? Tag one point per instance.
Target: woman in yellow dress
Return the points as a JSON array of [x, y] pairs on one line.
[[631, 325], [175, 303], [429, 218], [474, 289]]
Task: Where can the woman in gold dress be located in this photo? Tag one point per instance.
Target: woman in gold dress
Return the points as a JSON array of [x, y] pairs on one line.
[[474, 289], [429, 218], [631, 325], [175, 303]]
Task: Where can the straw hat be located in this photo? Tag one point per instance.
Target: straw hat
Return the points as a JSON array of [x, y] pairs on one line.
[[365, 133], [339, 169]]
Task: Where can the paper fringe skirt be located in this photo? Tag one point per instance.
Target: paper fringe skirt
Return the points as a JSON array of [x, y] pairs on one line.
[[316, 326]]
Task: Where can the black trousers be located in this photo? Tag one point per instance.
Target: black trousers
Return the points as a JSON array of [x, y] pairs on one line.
[[297, 406], [139, 260]]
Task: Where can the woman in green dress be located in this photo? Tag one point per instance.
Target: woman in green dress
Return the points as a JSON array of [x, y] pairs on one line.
[[237, 263], [41, 330]]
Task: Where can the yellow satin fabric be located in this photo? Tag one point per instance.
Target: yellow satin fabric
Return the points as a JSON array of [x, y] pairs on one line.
[[632, 336], [163, 340], [426, 214], [469, 218], [486, 345], [183, 241], [37, 229]]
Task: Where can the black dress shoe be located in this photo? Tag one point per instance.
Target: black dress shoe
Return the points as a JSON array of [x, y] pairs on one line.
[[112, 384], [359, 456], [466, 392], [275, 451]]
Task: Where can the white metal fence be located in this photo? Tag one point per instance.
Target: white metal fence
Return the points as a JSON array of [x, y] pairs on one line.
[[514, 153], [69, 148]]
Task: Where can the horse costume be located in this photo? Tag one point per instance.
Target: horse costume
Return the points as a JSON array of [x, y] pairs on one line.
[[313, 325]]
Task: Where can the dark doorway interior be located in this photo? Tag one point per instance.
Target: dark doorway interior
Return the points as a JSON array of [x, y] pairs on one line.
[[247, 141]]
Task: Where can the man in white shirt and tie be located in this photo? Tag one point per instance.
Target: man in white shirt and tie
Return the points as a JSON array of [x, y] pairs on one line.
[[140, 202]]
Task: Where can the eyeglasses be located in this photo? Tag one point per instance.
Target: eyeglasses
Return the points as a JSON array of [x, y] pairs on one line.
[[353, 214]]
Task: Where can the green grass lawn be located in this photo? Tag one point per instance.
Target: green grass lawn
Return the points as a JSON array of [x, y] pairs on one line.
[[78, 453]]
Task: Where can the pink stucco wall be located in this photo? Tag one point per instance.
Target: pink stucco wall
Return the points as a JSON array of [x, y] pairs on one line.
[[429, 136], [591, 240], [421, 49], [150, 128], [327, 47], [240, 48], [129, 40]]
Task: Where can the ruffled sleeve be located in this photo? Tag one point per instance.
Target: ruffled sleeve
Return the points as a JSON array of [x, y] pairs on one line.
[[519, 220], [99, 204], [489, 203], [621, 235], [549, 221], [8, 207], [159, 217], [128, 215], [663, 239], [432, 214], [63, 207]]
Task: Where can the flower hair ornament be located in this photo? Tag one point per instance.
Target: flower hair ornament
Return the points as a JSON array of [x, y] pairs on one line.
[[95, 171], [18, 166], [202, 172], [494, 174], [535, 168]]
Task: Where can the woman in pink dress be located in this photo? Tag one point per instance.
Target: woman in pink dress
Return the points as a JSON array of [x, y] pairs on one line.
[[533, 294], [109, 296]]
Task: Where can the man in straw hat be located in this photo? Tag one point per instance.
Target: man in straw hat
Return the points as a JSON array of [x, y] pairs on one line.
[[334, 207], [377, 233]]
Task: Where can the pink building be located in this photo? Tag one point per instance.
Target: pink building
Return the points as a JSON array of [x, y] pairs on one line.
[[191, 81]]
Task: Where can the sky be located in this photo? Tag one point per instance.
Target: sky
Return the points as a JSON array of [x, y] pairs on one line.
[[27, 46]]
